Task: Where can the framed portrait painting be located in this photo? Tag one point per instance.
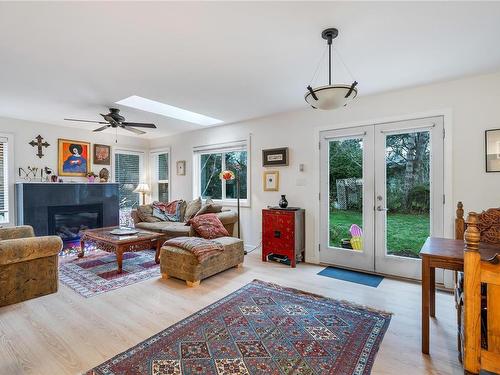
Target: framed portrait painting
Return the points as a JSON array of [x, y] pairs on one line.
[[73, 158], [102, 154], [492, 140], [271, 180]]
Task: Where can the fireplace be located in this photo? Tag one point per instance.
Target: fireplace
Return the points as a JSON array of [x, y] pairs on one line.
[[68, 222]]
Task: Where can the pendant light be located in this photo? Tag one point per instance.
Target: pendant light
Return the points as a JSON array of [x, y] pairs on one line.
[[330, 96]]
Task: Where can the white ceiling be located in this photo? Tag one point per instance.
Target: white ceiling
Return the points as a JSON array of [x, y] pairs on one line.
[[232, 61]]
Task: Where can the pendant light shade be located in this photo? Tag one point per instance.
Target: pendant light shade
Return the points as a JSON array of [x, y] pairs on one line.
[[332, 96]]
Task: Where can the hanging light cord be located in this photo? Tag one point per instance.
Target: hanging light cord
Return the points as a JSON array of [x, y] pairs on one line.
[[317, 67], [335, 50]]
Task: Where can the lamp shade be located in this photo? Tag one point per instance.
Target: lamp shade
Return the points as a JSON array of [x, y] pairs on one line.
[[142, 188], [331, 96]]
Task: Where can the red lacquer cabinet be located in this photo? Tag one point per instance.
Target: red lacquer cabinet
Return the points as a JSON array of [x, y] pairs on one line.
[[283, 234]]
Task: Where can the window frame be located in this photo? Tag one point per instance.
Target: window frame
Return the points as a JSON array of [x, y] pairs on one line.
[[142, 165], [9, 175], [153, 172], [222, 148]]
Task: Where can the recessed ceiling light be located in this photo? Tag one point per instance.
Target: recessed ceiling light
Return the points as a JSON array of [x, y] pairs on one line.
[[163, 109]]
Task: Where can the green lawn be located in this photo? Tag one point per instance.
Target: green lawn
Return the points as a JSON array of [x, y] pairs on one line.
[[406, 233]]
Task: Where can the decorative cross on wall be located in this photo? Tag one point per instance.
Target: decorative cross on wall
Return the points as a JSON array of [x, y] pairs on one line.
[[39, 144]]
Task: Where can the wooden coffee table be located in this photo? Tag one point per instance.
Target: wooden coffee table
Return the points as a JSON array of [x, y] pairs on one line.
[[143, 240]]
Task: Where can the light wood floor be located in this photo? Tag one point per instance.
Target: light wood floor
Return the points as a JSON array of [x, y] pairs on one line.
[[65, 333]]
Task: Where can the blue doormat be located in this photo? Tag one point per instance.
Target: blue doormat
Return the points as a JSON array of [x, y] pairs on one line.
[[352, 276]]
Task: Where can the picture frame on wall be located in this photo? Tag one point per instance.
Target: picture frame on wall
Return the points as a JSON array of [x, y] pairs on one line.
[[271, 180], [275, 157], [73, 158], [492, 150], [102, 154], [181, 167]]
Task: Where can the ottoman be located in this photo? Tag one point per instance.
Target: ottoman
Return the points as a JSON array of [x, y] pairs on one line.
[[182, 264]]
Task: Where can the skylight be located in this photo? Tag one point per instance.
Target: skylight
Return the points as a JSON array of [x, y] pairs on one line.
[[163, 109]]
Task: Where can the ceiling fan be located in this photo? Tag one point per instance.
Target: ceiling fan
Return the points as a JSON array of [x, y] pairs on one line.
[[114, 120]]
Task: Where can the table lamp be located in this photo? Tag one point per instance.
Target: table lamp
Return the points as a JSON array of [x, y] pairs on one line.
[[142, 189]]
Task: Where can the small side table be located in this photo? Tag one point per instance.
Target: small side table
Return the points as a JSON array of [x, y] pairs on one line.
[[283, 233]]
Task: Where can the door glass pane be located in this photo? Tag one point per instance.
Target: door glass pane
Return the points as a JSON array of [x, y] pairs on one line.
[[346, 193], [407, 158]]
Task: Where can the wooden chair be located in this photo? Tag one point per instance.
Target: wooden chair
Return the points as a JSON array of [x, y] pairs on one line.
[[481, 227]]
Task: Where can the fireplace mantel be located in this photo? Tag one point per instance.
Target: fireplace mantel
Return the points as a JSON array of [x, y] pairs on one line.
[[33, 200]]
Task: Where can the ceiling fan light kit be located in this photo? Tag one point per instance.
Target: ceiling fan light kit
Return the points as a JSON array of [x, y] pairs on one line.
[[330, 96]]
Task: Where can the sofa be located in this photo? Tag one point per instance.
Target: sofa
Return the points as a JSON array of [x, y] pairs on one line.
[[28, 264], [177, 229]]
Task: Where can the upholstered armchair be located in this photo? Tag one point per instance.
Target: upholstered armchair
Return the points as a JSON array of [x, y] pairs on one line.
[[28, 264]]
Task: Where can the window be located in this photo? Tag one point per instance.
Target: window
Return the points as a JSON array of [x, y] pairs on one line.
[[128, 174], [160, 175], [210, 161], [4, 180]]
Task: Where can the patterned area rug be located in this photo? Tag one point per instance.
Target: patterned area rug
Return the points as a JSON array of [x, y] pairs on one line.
[[96, 272], [261, 328]]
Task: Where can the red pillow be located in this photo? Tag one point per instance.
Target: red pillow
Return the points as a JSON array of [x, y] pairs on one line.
[[208, 226]]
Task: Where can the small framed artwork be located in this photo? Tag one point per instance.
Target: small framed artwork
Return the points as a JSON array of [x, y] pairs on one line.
[[73, 158], [102, 154], [275, 157], [492, 143], [271, 180], [181, 168]]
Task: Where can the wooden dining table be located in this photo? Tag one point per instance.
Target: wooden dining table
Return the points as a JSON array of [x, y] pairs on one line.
[[447, 254]]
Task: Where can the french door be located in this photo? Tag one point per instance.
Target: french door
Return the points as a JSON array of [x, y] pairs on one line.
[[381, 195]]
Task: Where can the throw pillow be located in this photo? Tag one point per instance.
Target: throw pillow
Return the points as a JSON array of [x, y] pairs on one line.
[[192, 208], [145, 214], [208, 226], [209, 208], [167, 211], [182, 209]]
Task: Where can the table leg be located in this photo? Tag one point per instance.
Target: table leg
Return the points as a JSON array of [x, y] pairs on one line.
[[426, 272], [119, 259], [157, 255], [81, 253], [432, 292]]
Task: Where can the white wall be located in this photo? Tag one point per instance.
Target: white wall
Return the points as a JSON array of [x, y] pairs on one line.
[[472, 105], [25, 154]]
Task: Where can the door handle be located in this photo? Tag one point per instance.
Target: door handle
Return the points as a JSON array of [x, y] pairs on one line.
[[380, 208]]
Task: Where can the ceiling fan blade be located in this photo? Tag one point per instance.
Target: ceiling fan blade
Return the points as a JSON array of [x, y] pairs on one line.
[[96, 122], [139, 125], [102, 128], [136, 131]]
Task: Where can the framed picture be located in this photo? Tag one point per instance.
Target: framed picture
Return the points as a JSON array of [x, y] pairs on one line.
[[181, 168], [275, 157], [271, 180], [492, 144], [73, 158], [102, 154]]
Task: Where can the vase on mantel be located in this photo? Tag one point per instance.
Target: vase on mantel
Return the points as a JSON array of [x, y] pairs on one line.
[[283, 203]]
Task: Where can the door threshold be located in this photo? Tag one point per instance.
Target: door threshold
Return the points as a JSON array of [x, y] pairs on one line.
[[439, 286]]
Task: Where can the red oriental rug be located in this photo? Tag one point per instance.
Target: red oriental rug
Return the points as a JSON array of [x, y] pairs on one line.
[[262, 328], [96, 272]]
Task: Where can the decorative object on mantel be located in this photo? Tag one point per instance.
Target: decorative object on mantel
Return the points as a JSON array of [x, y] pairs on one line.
[[492, 148], [228, 176], [29, 175], [104, 175], [330, 96], [181, 168], [275, 157], [271, 180], [283, 203], [39, 143], [74, 158], [91, 177], [102, 154], [142, 189], [48, 174]]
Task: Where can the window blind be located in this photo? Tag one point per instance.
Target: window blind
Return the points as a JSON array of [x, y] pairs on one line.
[[162, 164], [127, 175], [4, 183]]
